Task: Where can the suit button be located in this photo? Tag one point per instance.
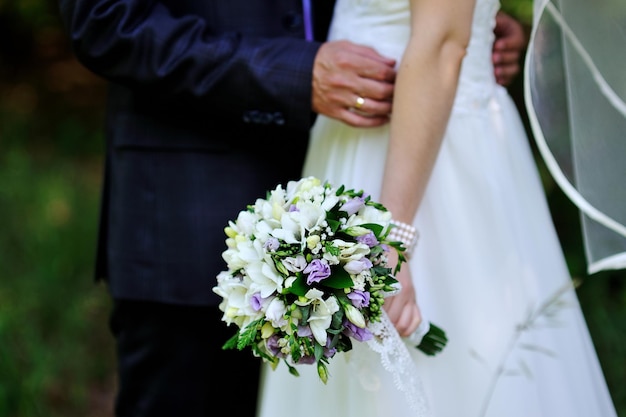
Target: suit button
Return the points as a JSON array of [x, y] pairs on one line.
[[279, 119], [265, 118], [247, 116]]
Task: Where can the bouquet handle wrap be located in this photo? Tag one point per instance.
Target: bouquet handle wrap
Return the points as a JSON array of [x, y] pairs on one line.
[[396, 359]]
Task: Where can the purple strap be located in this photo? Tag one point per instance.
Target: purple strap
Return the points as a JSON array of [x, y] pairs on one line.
[[308, 24]]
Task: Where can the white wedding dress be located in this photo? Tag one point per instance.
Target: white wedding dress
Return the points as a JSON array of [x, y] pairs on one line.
[[487, 269]]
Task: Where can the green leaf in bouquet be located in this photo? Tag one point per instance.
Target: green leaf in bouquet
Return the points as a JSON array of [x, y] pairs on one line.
[[248, 335], [292, 370], [333, 223], [272, 360], [377, 229], [299, 286], [339, 279], [305, 311], [332, 249], [296, 353], [232, 342], [382, 271], [337, 318], [318, 351], [335, 339], [375, 204], [377, 250]]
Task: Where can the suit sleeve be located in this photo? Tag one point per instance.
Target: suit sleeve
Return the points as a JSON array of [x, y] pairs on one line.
[[141, 45]]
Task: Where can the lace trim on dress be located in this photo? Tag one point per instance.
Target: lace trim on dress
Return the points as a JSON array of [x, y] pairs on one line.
[[396, 359]]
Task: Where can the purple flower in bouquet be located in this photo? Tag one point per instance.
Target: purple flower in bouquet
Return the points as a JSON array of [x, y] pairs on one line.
[[358, 333], [316, 271], [353, 205], [359, 298], [369, 239]]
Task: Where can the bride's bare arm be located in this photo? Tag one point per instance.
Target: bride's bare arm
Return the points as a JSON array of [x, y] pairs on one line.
[[425, 87]]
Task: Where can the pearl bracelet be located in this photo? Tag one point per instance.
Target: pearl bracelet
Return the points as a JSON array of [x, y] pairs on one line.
[[406, 234]]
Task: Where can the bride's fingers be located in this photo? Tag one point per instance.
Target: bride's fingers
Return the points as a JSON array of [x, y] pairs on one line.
[[404, 314], [409, 321]]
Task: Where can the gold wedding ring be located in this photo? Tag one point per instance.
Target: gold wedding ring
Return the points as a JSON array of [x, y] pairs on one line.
[[360, 101]]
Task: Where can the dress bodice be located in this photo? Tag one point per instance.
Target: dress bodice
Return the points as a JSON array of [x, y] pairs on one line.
[[385, 26]]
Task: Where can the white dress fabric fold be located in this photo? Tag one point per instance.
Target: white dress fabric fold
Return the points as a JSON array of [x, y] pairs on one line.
[[488, 268]]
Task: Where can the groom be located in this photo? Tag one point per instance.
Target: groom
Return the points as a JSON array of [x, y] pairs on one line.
[[210, 105]]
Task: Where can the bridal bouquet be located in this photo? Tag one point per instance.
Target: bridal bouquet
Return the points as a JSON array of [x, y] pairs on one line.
[[307, 273]]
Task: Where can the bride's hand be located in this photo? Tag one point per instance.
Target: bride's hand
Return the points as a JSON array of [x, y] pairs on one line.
[[402, 308]]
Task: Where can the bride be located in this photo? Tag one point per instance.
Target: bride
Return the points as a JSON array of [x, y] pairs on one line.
[[455, 163]]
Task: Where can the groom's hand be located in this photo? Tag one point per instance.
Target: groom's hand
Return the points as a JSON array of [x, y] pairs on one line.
[[353, 83], [510, 43]]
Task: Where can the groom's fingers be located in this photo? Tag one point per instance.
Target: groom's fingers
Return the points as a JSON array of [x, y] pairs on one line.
[[511, 41], [370, 64], [358, 119], [353, 83]]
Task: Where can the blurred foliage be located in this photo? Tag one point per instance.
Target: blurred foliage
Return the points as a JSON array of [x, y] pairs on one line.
[[56, 353], [521, 9], [56, 356], [51, 321]]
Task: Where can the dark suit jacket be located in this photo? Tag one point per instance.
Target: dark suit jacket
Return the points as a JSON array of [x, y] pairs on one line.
[[209, 107]]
